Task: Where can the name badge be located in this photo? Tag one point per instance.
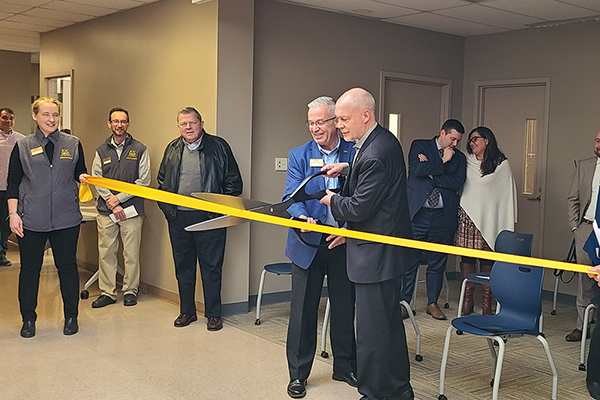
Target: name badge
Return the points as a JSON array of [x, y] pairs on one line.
[[317, 163], [36, 151], [106, 160]]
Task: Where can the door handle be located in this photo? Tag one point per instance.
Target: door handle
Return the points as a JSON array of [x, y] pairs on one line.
[[539, 198]]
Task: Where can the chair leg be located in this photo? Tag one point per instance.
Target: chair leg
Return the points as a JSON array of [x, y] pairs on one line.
[[496, 380], [461, 299], [586, 324], [490, 343], [259, 296], [554, 299], [445, 361], [324, 353], [552, 366], [413, 320]]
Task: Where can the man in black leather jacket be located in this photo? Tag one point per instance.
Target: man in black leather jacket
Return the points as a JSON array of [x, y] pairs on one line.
[[197, 162]]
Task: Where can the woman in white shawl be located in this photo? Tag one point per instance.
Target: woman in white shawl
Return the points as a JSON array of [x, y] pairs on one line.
[[488, 205]]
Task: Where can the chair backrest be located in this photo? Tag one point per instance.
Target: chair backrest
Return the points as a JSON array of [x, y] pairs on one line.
[[519, 289], [514, 243]]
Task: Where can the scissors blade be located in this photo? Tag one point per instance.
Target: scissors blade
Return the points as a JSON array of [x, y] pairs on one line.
[[277, 209], [223, 221]]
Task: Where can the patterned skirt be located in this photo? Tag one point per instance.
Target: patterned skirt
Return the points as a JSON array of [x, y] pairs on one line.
[[467, 235]]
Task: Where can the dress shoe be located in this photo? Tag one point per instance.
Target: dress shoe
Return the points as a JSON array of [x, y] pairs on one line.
[[214, 324], [404, 312], [593, 388], [576, 335], [71, 326], [4, 262], [434, 310], [349, 378], [28, 329], [102, 301], [407, 393], [185, 320], [297, 388], [129, 300]]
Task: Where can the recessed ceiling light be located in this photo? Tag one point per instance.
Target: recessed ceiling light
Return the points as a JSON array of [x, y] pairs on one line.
[[362, 11]]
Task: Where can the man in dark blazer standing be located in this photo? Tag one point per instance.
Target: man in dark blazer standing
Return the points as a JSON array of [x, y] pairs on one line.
[[310, 263], [374, 200], [436, 172]]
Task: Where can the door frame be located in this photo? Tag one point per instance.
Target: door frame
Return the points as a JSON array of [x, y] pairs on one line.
[[444, 84], [479, 109], [60, 74]]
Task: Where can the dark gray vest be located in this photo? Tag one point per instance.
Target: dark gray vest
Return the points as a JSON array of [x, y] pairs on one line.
[[125, 169], [48, 193]]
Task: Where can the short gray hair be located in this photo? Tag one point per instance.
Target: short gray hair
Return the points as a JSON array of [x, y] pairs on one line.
[[189, 110], [324, 101]]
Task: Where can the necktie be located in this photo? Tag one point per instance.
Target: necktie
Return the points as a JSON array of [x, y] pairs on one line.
[[434, 197]]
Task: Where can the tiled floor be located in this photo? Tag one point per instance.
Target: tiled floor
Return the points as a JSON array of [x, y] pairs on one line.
[[136, 353]]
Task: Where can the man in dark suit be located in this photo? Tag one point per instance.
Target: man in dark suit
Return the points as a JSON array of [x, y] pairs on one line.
[[325, 255], [436, 172], [374, 200]]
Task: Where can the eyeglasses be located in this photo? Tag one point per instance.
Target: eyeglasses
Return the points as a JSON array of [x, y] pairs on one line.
[[186, 124], [117, 122], [320, 123], [474, 139]]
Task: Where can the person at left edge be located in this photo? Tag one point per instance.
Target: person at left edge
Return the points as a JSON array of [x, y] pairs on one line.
[[123, 158], [310, 265], [197, 162], [8, 138], [43, 204]]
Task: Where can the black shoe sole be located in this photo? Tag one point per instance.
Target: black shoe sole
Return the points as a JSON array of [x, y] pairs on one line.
[[96, 305]]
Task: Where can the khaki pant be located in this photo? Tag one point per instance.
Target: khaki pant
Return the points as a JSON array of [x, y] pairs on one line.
[[108, 246], [586, 287]]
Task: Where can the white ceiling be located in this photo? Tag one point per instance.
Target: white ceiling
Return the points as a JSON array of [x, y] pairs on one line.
[[462, 17], [22, 21]]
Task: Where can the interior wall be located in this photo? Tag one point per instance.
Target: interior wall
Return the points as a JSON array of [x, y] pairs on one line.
[[303, 53], [152, 60], [570, 59], [16, 88]]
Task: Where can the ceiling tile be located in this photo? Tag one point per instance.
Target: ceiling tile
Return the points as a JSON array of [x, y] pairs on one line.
[[440, 23], [4, 15], [377, 9], [13, 8], [15, 32], [54, 14], [30, 3], [116, 4], [489, 16], [38, 21], [79, 8], [425, 5], [544, 9], [590, 4], [26, 27]]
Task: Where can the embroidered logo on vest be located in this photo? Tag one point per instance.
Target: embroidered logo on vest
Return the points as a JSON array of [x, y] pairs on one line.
[[65, 154], [131, 155]]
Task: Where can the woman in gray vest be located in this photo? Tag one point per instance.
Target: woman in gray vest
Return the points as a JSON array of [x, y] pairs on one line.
[[43, 205]]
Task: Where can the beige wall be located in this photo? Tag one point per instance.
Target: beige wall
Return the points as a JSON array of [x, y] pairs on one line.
[[18, 88], [303, 53], [151, 60], [570, 58]]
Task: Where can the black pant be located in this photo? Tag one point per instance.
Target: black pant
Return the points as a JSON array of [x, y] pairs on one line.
[[64, 249], [302, 329], [4, 228], [593, 367], [382, 354], [208, 248]]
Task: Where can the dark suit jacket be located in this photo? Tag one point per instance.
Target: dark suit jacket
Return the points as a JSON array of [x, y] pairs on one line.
[[374, 200], [449, 178], [298, 169]]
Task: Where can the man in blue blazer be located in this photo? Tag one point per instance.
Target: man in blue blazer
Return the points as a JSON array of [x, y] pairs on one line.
[[311, 264], [437, 171]]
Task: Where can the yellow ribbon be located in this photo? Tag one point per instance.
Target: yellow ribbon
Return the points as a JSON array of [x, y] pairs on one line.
[[192, 202]]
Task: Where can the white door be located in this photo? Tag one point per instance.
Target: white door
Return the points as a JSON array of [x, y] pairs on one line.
[[517, 114]]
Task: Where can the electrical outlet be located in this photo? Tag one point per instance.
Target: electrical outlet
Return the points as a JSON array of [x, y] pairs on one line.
[[281, 164]]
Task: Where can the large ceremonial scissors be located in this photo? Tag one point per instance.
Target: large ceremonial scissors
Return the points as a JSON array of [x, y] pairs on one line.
[[278, 209]]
